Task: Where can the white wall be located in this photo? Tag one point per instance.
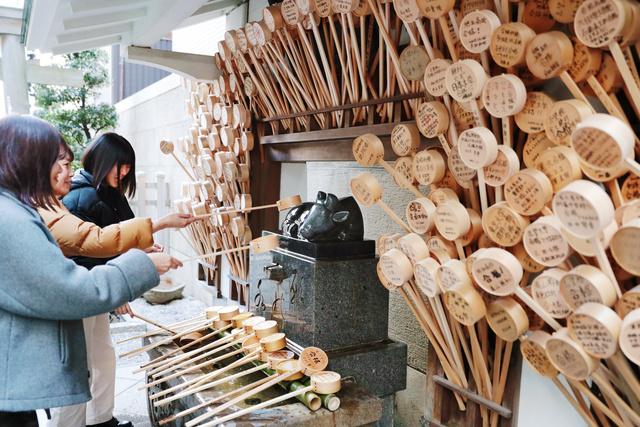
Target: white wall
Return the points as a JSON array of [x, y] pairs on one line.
[[156, 113]]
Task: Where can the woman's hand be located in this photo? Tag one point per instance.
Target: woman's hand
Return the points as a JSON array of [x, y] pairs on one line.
[[175, 220], [164, 262], [154, 249], [125, 309]]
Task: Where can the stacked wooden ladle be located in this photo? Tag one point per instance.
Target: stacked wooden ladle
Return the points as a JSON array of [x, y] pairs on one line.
[[224, 347]]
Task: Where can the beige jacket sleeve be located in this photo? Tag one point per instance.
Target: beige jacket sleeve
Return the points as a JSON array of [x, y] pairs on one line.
[[81, 238]]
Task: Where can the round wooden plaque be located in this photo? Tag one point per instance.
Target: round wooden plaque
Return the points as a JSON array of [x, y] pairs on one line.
[[583, 208], [562, 118], [396, 267], [625, 246], [475, 230], [545, 290], [505, 165], [414, 247], [367, 149], [465, 304], [452, 273], [344, 6], [497, 271], [272, 17], [533, 350], [586, 61], [476, 28], [434, 9], [507, 319], [630, 301], [452, 220], [478, 147], [569, 357], [564, 11], [504, 95], [290, 13], [463, 117], [432, 119], [441, 249], [630, 336], [509, 42], [596, 327], [528, 191], [405, 139], [413, 62], [366, 189], [536, 15], [531, 118], [528, 264], [323, 7], [312, 360], [460, 171], [465, 79], [435, 77], [425, 276], [387, 242], [631, 188], [544, 242], [549, 54], [603, 141], [384, 281], [420, 213], [561, 165], [403, 167], [504, 225], [598, 23], [429, 167], [441, 195]]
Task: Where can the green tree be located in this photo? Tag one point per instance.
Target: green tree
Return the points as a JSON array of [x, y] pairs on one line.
[[74, 110]]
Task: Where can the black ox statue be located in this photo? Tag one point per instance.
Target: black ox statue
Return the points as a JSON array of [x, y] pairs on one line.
[[328, 219]]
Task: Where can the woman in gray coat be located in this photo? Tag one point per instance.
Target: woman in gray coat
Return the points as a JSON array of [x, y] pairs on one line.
[[43, 295]]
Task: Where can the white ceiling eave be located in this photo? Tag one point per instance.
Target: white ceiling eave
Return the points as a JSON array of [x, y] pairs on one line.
[[63, 26]]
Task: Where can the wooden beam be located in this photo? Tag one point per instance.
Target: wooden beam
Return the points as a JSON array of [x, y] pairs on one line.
[[198, 67], [95, 33], [78, 22]]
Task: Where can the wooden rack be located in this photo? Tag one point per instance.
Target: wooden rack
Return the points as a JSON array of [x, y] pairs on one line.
[[443, 411]]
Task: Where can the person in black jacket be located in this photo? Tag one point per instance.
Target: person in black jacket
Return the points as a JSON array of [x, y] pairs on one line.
[[98, 194]]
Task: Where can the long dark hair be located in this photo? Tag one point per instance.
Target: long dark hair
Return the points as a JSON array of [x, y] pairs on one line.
[[106, 151], [29, 148]]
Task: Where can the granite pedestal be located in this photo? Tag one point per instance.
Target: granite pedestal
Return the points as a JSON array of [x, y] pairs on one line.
[[328, 295]]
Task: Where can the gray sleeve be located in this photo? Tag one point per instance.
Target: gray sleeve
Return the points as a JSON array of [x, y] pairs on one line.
[[36, 280]]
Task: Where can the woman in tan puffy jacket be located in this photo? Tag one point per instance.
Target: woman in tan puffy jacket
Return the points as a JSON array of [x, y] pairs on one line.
[[81, 238]]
